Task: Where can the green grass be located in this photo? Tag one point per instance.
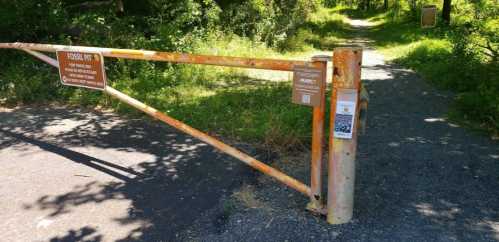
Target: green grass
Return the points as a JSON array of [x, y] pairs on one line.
[[324, 30], [227, 102], [222, 101], [396, 38], [234, 107]]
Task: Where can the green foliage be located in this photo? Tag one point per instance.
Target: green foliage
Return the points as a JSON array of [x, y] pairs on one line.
[[476, 31], [268, 21], [24, 80], [324, 29], [462, 57], [252, 112], [215, 99], [26, 20]]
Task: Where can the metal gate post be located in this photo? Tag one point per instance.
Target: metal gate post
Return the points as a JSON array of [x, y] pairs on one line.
[[316, 204], [347, 63]]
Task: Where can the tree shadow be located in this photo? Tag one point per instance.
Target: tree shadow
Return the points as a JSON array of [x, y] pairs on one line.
[[185, 179], [327, 35], [85, 234], [357, 13], [420, 173], [419, 176]]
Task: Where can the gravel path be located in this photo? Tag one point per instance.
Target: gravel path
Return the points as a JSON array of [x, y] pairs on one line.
[[419, 177]]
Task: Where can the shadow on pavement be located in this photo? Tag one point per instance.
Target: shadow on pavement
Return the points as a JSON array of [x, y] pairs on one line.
[[421, 176], [85, 234], [186, 178]]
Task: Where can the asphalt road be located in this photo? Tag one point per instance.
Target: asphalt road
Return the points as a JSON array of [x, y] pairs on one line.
[[68, 174]]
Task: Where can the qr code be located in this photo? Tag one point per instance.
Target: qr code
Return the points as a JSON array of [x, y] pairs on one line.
[[343, 123], [305, 98]]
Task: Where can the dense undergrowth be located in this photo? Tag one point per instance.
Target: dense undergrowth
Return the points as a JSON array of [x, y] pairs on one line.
[[233, 102], [223, 101], [461, 57]]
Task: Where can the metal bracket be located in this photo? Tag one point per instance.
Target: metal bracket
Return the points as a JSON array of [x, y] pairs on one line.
[[364, 102]]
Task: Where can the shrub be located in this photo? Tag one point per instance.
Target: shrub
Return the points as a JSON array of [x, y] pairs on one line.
[[267, 21]]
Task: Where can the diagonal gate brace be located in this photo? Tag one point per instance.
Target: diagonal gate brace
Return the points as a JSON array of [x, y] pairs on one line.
[[256, 164]]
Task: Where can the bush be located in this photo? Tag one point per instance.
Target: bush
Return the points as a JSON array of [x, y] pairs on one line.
[[476, 81], [462, 57], [26, 20], [268, 21], [25, 80], [210, 98]]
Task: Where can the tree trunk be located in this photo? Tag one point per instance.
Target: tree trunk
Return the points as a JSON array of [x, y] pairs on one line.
[[446, 11], [364, 4], [385, 4], [414, 10], [121, 7]]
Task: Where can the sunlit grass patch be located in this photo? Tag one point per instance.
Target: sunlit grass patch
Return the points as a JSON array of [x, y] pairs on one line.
[[263, 114], [233, 45], [323, 30], [395, 51], [225, 102]]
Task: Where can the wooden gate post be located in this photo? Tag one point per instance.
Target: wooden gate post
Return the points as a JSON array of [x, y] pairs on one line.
[[347, 63]]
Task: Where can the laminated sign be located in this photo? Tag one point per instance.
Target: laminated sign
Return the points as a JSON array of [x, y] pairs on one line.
[[308, 86], [82, 69], [344, 119], [429, 16]]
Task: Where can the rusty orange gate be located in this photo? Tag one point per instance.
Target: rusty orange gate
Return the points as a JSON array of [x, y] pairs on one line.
[[345, 109]]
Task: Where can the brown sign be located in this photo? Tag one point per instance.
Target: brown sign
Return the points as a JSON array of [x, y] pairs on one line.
[[82, 69], [308, 86], [429, 16]]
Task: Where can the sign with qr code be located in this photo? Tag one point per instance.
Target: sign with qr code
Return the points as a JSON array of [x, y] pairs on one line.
[[344, 119], [308, 86]]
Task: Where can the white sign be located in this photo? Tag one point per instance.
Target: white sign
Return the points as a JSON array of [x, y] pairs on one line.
[[344, 119]]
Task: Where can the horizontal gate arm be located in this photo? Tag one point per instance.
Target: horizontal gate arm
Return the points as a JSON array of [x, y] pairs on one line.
[[258, 165], [267, 64]]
